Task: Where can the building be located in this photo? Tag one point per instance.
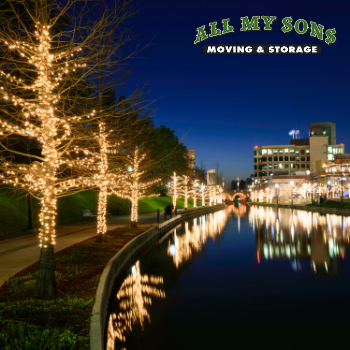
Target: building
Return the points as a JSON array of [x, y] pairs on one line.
[[300, 157], [191, 153], [211, 177]]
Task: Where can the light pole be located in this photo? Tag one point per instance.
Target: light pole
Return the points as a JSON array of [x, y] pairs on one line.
[[237, 183], [277, 191], [292, 184]]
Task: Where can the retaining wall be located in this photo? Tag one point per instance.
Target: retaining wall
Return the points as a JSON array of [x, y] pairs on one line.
[[117, 264]]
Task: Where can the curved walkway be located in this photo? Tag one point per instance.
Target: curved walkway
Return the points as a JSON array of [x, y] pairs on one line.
[[18, 253]]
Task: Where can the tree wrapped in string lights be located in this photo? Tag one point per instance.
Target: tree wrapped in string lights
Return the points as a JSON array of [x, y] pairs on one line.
[[195, 192], [174, 187], [184, 189], [203, 193], [134, 185], [43, 66]]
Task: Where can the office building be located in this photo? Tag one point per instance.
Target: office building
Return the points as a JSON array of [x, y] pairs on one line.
[[211, 177], [191, 153], [300, 157]]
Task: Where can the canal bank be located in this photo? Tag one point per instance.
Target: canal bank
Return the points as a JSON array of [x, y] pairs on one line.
[[117, 264], [323, 210]]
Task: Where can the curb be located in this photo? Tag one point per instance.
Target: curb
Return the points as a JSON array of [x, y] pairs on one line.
[[117, 264]]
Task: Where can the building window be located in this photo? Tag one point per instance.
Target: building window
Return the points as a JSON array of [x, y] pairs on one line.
[[280, 165], [296, 166], [281, 150], [291, 150], [254, 153], [259, 160], [260, 167], [275, 151], [307, 166], [302, 151], [302, 166], [308, 159], [255, 174], [255, 167], [329, 149], [275, 159], [264, 166], [330, 157], [264, 159], [286, 166], [259, 153], [270, 159], [303, 159], [263, 173], [264, 151], [286, 150], [297, 159], [270, 166], [296, 151], [307, 151], [281, 159], [255, 160], [275, 166], [286, 159], [292, 158], [269, 151], [292, 166], [270, 173]]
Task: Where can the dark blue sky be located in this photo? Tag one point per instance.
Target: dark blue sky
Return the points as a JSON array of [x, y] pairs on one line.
[[228, 103]]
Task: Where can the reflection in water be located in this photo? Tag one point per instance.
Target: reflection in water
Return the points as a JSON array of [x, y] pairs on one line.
[[134, 295], [298, 234], [196, 237], [227, 282]]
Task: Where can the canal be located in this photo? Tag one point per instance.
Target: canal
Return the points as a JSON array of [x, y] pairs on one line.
[[240, 277]]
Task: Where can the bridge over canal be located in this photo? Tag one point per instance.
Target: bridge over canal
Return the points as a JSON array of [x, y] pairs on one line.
[[231, 195]]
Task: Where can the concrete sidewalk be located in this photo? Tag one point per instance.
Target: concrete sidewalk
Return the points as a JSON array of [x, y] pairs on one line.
[[19, 253]]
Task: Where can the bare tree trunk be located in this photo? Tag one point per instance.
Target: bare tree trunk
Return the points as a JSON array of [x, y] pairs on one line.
[[46, 282]]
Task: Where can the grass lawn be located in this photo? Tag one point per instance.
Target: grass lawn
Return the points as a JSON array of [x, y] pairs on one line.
[[14, 209], [62, 323]]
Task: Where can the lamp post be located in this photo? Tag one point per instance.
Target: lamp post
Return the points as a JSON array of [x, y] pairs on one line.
[[237, 183], [277, 191], [292, 184]]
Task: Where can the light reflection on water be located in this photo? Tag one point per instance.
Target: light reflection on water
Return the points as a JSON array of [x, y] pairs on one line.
[[226, 259], [297, 234], [134, 295]]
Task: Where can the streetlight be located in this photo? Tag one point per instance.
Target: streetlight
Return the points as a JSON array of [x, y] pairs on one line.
[[292, 184], [277, 191], [237, 183]]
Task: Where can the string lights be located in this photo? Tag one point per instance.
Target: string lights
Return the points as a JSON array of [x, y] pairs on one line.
[[133, 186]]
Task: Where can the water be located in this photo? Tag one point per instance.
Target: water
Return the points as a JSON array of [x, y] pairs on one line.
[[240, 277]]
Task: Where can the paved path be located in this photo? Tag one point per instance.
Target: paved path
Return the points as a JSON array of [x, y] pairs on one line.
[[18, 253]]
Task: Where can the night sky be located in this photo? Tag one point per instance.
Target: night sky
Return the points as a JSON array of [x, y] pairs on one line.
[[227, 104]]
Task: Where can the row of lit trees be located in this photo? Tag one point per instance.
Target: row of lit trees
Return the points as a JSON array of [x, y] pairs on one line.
[[183, 186], [56, 64], [305, 190]]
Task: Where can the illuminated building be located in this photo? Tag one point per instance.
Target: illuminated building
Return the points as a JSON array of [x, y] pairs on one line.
[[211, 177], [298, 158], [191, 153]]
